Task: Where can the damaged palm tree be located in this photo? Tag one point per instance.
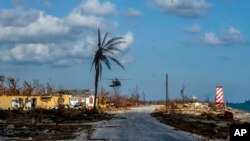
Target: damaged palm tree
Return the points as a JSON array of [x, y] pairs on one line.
[[103, 55]]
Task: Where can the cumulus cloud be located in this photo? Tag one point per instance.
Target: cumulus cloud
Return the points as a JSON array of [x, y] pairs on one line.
[[194, 28], [134, 13], [37, 37], [211, 39], [230, 36], [43, 28], [128, 38], [184, 8], [94, 7], [21, 17]]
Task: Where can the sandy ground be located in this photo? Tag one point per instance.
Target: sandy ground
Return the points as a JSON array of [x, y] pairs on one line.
[[137, 124]]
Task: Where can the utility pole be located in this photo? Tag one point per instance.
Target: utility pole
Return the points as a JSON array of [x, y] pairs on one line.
[[166, 93]]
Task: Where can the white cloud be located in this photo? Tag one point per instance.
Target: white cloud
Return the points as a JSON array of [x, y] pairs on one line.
[[19, 25], [37, 37], [68, 61], [194, 28], [90, 14], [30, 52], [134, 13], [94, 7], [184, 8], [230, 36], [75, 20], [17, 17], [128, 39], [126, 59], [44, 28], [211, 39]]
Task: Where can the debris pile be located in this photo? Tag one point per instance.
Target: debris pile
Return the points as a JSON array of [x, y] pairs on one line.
[[42, 124], [201, 118]]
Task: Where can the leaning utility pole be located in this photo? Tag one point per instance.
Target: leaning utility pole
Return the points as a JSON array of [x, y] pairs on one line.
[[166, 93]]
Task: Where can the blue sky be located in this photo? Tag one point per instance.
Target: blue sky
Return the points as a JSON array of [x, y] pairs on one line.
[[199, 43]]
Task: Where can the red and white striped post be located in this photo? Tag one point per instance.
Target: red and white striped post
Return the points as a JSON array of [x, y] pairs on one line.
[[219, 100]]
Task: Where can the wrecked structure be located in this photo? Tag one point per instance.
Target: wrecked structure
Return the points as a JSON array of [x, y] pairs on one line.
[[49, 101], [31, 102]]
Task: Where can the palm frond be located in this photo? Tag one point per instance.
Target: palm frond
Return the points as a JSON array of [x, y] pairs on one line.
[[117, 62], [106, 61], [114, 44], [115, 39], [113, 49], [93, 63], [109, 51], [104, 39]]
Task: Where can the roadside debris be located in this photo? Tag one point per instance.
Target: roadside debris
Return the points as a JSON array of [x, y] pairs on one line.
[[201, 118]]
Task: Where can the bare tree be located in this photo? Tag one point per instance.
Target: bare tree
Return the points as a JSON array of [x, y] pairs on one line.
[[38, 88], [182, 93], [135, 96], [48, 89], [13, 88], [27, 88], [143, 97], [2, 88]]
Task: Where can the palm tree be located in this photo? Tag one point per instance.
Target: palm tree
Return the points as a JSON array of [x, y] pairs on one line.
[[103, 55]]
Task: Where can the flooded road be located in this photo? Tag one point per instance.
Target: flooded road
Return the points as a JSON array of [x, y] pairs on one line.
[[137, 124]]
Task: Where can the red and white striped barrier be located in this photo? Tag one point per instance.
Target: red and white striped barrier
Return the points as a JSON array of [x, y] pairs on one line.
[[219, 96]]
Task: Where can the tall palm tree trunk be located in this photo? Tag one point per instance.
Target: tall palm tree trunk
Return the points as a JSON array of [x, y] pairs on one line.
[[96, 86]]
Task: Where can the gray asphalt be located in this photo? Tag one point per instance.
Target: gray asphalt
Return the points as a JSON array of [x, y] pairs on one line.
[[138, 125]]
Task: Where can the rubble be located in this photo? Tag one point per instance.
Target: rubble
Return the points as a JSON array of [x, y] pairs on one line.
[[201, 118], [10, 127], [48, 124]]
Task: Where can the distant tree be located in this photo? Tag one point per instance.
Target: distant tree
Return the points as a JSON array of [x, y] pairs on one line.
[[38, 87], [2, 79], [2, 88], [182, 93], [27, 88], [143, 97], [103, 55], [135, 96], [13, 88], [48, 89]]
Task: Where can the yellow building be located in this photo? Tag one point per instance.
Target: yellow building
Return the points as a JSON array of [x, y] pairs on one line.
[[30, 102]]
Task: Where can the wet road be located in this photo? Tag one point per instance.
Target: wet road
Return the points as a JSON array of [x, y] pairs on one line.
[[138, 125]]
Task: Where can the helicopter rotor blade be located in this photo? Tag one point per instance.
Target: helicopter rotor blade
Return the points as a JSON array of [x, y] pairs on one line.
[[116, 79]]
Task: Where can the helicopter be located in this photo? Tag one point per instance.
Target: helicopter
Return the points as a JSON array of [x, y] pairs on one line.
[[115, 83]]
